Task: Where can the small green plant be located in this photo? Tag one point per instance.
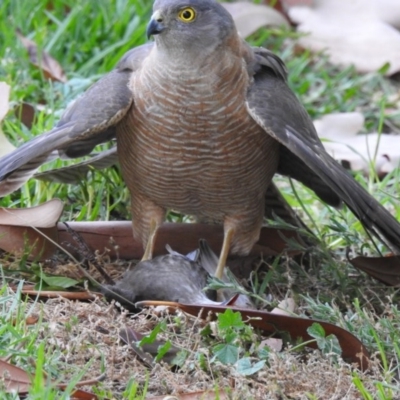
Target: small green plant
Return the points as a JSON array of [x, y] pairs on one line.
[[329, 345], [236, 343]]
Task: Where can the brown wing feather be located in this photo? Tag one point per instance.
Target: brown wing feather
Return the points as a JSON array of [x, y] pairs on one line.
[[88, 122], [276, 109]]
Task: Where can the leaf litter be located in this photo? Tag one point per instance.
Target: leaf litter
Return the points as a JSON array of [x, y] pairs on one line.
[[94, 337], [86, 335]]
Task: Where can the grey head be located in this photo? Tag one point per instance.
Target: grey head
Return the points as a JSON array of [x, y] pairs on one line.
[[190, 26]]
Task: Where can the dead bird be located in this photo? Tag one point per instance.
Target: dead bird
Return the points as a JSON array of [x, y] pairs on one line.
[[173, 277]]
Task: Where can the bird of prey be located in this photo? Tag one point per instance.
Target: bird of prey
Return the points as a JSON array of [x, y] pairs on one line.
[[203, 121]]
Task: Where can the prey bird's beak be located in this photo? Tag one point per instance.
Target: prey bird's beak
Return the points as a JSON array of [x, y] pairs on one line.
[[155, 25]]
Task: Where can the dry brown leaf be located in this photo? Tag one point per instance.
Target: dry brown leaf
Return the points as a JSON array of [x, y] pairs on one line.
[[25, 228], [339, 133], [83, 395], [15, 379], [183, 238], [50, 67], [117, 235], [32, 320], [271, 324], [25, 112], [250, 17], [384, 269], [351, 33], [203, 395]]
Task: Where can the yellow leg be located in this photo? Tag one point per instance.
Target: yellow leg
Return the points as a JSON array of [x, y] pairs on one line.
[[148, 253], [228, 234]]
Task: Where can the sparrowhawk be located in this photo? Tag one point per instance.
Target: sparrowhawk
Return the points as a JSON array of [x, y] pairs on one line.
[[203, 121]]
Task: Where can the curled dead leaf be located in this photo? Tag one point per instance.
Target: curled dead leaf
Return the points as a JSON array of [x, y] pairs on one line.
[[27, 228], [384, 269], [203, 395], [341, 138], [350, 32], [25, 112], [353, 349], [181, 237], [50, 67], [15, 379]]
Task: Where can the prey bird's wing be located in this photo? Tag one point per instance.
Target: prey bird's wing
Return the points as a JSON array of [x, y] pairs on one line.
[[276, 109], [89, 121]]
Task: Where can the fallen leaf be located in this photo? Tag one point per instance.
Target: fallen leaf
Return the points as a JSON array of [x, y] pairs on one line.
[[384, 269], [15, 379], [83, 395], [5, 146], [50, 67], [44, 215], [272, 343], [203, 395], [27, 228], [181, 237], [250, 17], [285, 307], [341, 139], [350, 32], [25, 112], [4, 99], [271, 324], [388, 11], [291, 3], [32, 320]]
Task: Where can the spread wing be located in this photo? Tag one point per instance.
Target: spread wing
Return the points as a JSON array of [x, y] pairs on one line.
[[276, 109], [89, 121]]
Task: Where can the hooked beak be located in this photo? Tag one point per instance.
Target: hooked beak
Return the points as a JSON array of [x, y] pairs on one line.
[[155, 25]]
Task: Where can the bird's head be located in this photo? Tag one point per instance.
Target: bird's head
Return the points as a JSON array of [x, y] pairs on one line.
[[190, 26]]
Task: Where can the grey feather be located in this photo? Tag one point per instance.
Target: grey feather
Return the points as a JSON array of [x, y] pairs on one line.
[[89, 121], [276, 109], [77, 172]]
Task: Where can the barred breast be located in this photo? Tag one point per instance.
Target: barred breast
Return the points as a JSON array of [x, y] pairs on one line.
[[190, 145]]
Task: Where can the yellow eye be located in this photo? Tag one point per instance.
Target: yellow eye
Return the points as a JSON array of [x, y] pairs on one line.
[[188, 14]]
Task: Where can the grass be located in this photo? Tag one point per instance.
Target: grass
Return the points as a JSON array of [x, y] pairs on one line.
[[88, 40]]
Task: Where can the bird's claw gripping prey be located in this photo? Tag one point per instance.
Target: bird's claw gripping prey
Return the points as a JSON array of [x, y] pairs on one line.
[[203, 121]]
